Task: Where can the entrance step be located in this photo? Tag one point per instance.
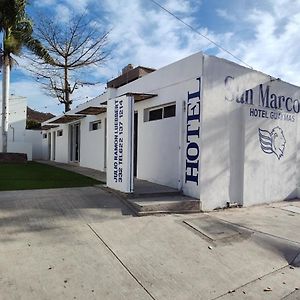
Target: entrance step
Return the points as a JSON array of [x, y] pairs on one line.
[[163, 204], [145, 189], [152, 198]]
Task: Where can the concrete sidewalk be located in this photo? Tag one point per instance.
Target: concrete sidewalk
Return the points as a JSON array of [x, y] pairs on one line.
[[83, 243], [147, 198]]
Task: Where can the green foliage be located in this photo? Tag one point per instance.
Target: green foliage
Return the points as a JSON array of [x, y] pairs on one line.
[[32, 175], [32, 124], [17, 29]]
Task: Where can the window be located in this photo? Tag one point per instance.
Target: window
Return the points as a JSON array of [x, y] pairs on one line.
[[59, 132], [44, 135], [158, 113], [170, 111], [95, 125], [155, 114]]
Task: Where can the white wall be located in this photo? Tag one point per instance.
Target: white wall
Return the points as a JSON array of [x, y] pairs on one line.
[[61, 144], [92, 143], [267, 177], [234, 167], [20, 147], [35, 138], [158, 151], [17, 139]]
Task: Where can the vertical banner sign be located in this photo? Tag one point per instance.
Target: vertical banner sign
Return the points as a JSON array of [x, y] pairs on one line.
[[191, 180], [120, 144]]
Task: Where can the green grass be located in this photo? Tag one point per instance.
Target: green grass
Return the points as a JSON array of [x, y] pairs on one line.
[[34, 175]]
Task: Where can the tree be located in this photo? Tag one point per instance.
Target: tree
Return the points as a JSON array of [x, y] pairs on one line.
[[73, 46], [16, 28]]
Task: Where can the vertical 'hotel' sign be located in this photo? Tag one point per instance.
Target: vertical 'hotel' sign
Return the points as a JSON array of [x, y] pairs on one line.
[[119, 144], [192, 154]]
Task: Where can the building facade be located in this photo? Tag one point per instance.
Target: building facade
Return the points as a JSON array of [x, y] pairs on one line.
[[215, 130], [21, 140]]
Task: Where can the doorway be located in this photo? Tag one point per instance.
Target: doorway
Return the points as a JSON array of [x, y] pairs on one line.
[[49, 146], [105, 142], [75, 142], [135, 143], [54, 145]]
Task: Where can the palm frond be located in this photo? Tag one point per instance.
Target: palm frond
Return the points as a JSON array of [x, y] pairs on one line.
[[17, 28]]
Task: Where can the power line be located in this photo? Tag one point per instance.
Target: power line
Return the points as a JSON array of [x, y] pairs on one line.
[[201, 34], [53, 104]]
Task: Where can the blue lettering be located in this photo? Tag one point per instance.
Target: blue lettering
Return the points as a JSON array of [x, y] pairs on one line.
[[263, 96], [296, 106], [286, 103], [191, 166], [193, 130]]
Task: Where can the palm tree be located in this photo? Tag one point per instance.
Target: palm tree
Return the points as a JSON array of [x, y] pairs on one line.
[[16, 28]]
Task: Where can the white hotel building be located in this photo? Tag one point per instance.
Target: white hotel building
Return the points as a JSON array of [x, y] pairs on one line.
[[215, 130]]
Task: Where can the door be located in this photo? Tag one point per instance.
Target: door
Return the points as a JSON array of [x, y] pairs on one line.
[[135, 143], [49, 146], [105, 142], [54, 145], [75, 142]]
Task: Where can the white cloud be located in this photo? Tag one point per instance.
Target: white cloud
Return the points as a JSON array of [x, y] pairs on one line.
[[43, 3], [147, 35], [223, 13], [273, 49], [35, 96], [184, 6], [38, 100], [63, 13], [78, 6]]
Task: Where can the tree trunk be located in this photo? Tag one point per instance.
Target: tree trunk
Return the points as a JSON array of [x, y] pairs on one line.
[[67, 106], [67, 88], [5, 101]]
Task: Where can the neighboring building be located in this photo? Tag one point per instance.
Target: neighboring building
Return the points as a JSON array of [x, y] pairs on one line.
[[211, 128], [21, 140]]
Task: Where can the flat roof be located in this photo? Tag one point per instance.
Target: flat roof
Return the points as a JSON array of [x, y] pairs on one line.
[[140, 96], [66, 119], [92, 110], [47, 127]]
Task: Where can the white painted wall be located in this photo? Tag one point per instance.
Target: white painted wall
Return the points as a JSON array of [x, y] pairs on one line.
[[17, 118], [34, 137], [93, 143], [234, 168], [20, 147], [158, 151], [61, 144], [268, 178], [19, 140]]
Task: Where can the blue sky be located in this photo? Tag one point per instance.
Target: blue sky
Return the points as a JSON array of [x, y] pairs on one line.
[[263, 33]]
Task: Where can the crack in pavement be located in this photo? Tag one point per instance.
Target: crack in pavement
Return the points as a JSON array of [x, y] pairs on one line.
[[120, 261]]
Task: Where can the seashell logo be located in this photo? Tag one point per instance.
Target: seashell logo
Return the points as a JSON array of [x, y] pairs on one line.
[[272, 142]]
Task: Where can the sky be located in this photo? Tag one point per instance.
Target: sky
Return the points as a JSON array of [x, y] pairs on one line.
[[261, 33]]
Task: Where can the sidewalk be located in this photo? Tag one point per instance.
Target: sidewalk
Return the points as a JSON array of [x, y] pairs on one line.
[[83, 243], [147, 198]]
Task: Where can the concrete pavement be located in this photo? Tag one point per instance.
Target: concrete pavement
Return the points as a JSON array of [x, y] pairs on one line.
[[83, 243]]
